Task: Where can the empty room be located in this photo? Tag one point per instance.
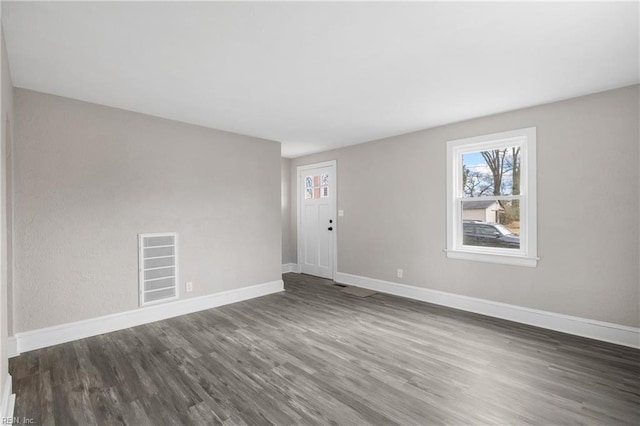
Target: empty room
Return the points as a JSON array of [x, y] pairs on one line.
[[320, 213]]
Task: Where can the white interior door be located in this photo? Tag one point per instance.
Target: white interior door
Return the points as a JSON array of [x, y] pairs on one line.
[[317, 222]]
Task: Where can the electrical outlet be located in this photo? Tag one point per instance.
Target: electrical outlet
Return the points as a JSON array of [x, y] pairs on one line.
[[189, 287], [400, 272]]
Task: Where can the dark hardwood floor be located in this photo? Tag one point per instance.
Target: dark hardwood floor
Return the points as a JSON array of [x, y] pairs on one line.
[[313, 355]]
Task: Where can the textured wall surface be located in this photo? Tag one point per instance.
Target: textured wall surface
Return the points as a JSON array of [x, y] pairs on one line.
[[287, 255], [6, 130], [393, 195], [89, 178]]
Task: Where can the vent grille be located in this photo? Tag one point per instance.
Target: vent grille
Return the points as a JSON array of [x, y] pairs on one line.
[[158, 260]]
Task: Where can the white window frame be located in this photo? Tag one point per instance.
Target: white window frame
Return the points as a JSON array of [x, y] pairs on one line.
[[527, 254]]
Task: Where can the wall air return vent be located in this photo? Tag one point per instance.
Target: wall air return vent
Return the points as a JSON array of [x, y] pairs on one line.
[[158, 267]]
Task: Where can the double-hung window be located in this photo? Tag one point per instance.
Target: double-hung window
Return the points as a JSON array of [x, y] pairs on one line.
[[491, 191]]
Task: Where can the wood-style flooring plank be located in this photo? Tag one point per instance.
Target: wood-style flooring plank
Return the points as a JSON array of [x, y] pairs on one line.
[[314, 355]]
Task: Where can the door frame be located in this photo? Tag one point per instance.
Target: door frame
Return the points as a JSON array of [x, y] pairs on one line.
[[333, 208]]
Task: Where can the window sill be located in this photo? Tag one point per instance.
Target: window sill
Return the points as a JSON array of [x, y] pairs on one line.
[[504, 259]]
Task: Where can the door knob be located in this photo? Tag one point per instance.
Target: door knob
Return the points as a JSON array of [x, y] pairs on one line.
[[330, 228]]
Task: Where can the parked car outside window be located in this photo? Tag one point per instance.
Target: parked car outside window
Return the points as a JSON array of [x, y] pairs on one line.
[[488, 234]]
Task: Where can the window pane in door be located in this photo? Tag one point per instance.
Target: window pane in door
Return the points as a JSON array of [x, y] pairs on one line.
[[316, 186]]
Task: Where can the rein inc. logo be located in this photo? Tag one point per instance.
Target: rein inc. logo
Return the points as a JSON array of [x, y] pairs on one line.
[[18, 421]]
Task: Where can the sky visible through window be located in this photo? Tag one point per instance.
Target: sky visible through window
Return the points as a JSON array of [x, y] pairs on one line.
[[478, 175]]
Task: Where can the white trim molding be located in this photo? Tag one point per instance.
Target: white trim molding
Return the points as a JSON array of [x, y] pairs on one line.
[[593, 329], [7, 401], [290, 267], [41, 338], [12, 347]]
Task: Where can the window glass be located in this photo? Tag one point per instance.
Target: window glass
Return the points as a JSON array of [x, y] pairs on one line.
[[491, 172], [316, 186]]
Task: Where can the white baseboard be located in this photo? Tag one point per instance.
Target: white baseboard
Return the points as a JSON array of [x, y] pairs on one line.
[[12, 347], [36, 339], [7, 401], [290, 267], [599, 330]]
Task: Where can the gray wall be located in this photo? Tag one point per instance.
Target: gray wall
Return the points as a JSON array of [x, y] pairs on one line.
[[287, 254], [6, 129], [89, 178], [393, 194]]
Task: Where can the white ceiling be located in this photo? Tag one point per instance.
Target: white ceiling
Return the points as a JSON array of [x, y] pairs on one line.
[[316, 76]]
